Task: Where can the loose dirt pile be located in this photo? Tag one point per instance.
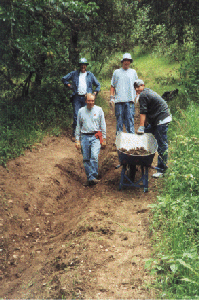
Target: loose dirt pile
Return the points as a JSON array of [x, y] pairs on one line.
[[60, 239]]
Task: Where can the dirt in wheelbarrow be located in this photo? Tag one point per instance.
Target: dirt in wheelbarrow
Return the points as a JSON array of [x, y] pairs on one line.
[[60, 239], [136, 151]]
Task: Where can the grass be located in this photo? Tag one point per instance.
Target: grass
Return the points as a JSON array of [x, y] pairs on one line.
[[175, 223], [158, 73]]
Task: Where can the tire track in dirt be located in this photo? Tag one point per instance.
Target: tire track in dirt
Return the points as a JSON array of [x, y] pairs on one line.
[[62, 240]]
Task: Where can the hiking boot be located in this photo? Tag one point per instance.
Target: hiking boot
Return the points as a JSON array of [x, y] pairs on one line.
[[87, 183], [91, 182], [94, 181]]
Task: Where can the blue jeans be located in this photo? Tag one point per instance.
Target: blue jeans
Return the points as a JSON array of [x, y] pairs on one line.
[[160, 133], [124, 113], [90, 150], [78, 102]]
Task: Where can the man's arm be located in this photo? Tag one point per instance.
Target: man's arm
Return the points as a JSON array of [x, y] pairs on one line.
[[103, 128], [77, 132], [96, 84], [66, 79], [103, 124], [142, 122], [142, 119], [78, 127], [112, 94], [112, 91]]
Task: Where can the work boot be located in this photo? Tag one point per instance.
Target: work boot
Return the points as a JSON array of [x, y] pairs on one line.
[[91, 182], [94, 181]]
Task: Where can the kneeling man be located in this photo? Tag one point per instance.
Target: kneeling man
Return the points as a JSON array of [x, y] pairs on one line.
[[91, 130]]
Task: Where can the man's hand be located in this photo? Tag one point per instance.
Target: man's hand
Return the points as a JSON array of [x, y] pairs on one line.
[[112, 102], [70, 86], [140, 130], [103, 146], [77, 145]]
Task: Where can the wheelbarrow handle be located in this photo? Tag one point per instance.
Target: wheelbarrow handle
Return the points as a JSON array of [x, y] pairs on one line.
[[156, 168]]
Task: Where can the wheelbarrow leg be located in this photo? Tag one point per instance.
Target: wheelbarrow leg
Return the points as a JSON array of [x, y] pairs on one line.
[[122, 177], [145, 180]]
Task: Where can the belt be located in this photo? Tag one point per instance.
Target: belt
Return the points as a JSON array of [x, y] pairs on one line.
[[90, 133], [81, 95], [124, 102]]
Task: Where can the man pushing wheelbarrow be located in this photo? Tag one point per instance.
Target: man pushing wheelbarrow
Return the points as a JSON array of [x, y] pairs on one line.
[[154, 111]]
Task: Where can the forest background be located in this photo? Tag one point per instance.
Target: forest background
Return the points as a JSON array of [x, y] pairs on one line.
[[41, 41]]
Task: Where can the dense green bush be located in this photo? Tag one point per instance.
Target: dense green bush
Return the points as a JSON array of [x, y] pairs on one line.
[[24, 120]]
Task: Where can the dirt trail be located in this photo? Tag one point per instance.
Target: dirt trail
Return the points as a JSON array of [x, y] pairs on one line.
[[60, 239]]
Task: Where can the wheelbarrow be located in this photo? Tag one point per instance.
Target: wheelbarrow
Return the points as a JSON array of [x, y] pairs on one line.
[[130, 162]]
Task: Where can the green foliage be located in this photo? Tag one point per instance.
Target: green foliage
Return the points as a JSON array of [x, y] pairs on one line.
[[176, 214], [190, 75], [176, 16], [25, 120]]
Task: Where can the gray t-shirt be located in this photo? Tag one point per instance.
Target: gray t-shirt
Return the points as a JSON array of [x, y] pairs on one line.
[[123, 82], [153, 106]]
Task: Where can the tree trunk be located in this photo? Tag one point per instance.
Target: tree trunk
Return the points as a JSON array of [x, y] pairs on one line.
[[73, 50]]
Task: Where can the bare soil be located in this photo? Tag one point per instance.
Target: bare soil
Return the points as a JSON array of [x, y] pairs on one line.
[[60, 239]]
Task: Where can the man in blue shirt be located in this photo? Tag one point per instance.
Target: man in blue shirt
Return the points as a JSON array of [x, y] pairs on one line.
[[82, 83], [123, 94]]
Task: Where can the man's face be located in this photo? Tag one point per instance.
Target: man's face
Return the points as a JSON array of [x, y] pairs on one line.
[[126, 64], [83, 68], [90, 101], [139, 89]]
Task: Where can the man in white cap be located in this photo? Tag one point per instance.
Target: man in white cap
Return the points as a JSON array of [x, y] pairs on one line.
[[82, 83], [123, 94]]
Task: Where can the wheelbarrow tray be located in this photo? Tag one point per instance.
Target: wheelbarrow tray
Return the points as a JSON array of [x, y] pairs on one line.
[[132, 141]]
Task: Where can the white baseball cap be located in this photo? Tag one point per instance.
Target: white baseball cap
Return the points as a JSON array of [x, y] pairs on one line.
[[127, 56], [138, 82]]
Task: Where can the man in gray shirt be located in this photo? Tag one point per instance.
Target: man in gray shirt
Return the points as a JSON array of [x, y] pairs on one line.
[[154, 110], [91, 129], [123, 94]]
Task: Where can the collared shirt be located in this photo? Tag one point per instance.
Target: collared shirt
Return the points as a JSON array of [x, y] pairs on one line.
[[82, 87], [123, 82], [74, 77], [90, 121]]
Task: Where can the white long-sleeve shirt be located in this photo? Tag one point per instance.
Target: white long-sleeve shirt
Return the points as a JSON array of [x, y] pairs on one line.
[[89, 121]]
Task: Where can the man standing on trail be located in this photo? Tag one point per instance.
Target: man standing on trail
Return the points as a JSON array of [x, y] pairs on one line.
[[91, 128], [154, 111], [123, 94], [82, 83]]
